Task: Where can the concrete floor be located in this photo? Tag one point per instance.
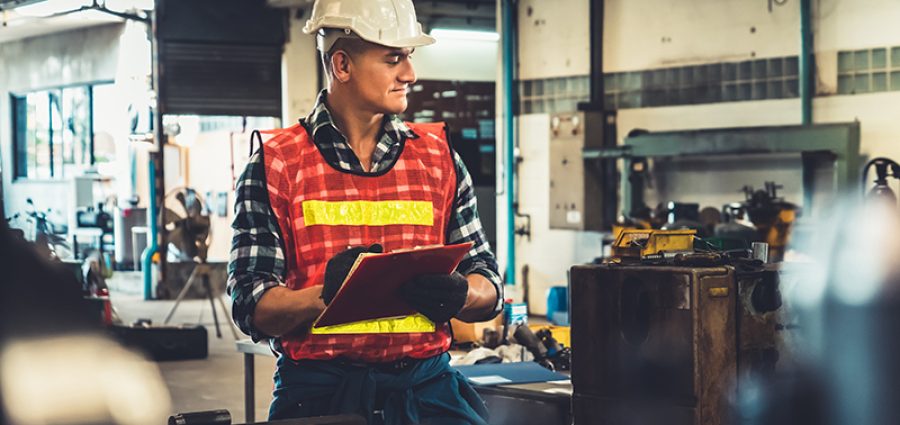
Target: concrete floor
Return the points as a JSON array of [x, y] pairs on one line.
[[216, 382]]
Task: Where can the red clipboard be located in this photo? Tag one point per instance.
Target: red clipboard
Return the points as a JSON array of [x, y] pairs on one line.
[[372, 290]]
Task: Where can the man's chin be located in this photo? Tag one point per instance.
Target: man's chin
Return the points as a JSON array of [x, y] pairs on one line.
[[395, 108]]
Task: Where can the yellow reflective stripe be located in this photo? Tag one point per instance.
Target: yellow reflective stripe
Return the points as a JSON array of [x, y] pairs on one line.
[[368, 213], [392, 325]]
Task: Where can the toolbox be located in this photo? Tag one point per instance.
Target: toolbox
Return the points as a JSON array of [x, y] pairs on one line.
[[162, 343]]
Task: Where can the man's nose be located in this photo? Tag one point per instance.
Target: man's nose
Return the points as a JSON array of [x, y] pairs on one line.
[[408, 73]]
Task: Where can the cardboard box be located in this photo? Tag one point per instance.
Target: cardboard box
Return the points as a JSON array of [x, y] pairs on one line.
[[472, 332]]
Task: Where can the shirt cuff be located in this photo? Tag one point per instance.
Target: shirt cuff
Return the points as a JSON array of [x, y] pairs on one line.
[[494, 278], [257, 290]]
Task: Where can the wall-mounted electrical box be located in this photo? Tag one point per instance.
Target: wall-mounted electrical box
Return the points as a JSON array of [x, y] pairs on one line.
[[576, 192]]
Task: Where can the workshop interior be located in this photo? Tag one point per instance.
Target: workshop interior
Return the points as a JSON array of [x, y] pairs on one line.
[[692, 204]]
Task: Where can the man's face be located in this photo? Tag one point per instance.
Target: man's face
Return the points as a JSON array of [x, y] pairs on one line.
[[381, 77]]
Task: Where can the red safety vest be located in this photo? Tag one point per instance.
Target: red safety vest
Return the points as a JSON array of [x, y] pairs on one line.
[[322, 210]]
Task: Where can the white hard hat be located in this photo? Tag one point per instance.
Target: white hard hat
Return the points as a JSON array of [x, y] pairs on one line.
[[390, 23]]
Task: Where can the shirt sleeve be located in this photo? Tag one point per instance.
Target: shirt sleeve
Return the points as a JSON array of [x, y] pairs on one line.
[[257, 254], [465, 226]]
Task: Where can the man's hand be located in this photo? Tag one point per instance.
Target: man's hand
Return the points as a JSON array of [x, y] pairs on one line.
[[338, 268], [438, 296]]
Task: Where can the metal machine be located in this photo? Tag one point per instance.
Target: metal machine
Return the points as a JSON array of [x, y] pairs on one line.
[[582, 191], [773, 217], [832, 149], [666, 344]]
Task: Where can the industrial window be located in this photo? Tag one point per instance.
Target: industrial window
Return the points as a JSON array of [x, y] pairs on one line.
[[53, 132]]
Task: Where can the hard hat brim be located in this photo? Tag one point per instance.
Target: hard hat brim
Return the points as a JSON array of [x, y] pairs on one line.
[[369, 32], [419, 41]]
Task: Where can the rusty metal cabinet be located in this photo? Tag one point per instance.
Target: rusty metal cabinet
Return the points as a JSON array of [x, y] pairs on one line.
[[664, 344]]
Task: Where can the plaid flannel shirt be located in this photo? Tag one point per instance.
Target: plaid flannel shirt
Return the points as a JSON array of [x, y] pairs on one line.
[[257, 255]]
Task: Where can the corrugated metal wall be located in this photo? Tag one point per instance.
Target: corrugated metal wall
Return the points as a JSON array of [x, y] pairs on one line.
[[220, 57]]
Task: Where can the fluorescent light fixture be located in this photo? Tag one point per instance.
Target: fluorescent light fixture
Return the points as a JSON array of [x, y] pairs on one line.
[[449, 34], [45, 8], [129, 5]]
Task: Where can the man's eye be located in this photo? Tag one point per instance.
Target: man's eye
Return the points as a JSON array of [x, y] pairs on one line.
[[394, 60]]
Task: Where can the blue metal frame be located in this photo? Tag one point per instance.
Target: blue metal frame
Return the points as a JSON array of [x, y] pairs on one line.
[[507, 10], [152, 244], [806, 62]]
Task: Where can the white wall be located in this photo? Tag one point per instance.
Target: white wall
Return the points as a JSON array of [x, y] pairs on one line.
[[455, 59], [657, 33], [300, 70], [553, 39], [845, 25], [661, 33], [72, 57]]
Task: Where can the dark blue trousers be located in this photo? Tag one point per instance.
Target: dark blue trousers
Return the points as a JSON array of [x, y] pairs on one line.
[[427, 392]]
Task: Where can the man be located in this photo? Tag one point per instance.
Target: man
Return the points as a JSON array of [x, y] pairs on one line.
[[352, 174]]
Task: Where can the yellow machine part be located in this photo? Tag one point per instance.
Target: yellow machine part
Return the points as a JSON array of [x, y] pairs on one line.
[[562, 334], [642, 243], [618, 228], [780, 231]]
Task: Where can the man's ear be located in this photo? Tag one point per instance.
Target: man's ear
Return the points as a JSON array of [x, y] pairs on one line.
[[340, 65]]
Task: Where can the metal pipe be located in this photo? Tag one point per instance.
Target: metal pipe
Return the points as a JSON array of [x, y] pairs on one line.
[[155, 177], [152, 243], [508, 34], [597, 90], [806, 62], [160, 138]]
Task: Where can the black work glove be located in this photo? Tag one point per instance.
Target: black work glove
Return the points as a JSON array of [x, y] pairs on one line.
[[338, 268], [438, 296]]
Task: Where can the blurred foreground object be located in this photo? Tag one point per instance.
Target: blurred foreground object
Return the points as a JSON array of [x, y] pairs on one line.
[[848, 301], [79, 379], [55, 366], [42, 296]]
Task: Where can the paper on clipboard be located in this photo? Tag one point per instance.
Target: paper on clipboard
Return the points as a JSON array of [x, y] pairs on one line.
[[372, 288]]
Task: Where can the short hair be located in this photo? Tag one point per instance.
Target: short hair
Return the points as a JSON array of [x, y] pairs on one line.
[[353, 46]]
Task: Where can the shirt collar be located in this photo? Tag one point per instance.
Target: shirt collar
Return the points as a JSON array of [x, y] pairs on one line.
[[320, 118]]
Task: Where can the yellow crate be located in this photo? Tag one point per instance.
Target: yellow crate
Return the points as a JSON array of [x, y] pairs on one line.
[[560, 333]]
